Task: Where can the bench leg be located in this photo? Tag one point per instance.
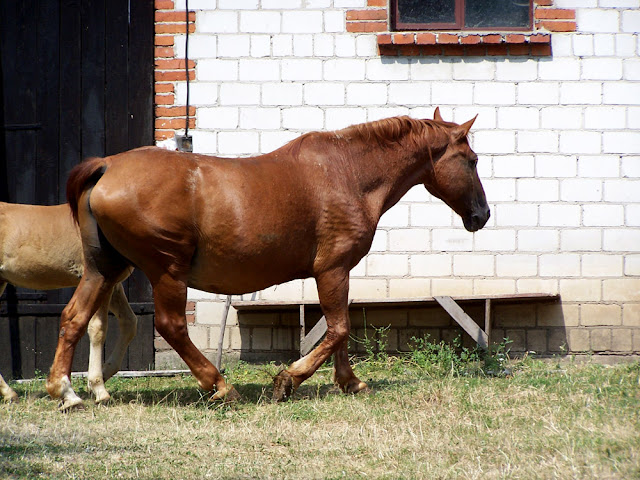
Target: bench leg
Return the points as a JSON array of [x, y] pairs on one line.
[[464, 320]]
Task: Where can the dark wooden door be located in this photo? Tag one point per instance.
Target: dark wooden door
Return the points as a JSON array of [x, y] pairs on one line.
[[76, 81]]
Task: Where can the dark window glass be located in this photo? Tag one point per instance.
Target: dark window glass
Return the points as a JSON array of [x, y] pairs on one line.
[[461, 14], [426, 11], [496, 13]]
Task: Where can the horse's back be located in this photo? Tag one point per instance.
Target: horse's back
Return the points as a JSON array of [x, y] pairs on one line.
[[40, 246]]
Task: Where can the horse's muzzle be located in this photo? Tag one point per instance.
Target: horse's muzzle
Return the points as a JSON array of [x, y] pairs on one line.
[[477, 219]]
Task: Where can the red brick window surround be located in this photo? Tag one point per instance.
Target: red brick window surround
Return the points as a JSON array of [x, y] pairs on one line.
[[375, 18]]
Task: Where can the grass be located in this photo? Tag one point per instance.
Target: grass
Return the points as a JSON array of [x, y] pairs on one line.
[[435, 413]]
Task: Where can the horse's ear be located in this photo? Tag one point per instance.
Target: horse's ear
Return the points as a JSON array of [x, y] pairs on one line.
[[461, 131], [437, 116]]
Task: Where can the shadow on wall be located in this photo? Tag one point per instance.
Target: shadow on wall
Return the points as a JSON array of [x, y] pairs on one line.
[[274, 336], [538, 328]]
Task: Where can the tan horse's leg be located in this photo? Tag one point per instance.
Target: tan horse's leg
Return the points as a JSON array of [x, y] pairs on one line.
[[92, 292], [333, 291], [128, 325], [170, 298], [7, 392], [97, 331]]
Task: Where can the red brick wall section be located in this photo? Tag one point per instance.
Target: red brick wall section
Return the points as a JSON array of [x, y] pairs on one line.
[[191, 312], [547, 19], [169, 69]]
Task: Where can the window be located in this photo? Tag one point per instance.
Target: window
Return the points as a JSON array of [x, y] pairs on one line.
[[462, 14]]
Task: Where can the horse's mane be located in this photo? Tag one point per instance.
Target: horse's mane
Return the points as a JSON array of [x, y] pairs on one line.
[[386, 132], [391, 130]]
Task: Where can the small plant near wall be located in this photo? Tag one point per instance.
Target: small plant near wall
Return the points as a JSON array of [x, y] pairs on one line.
[[437, 359]]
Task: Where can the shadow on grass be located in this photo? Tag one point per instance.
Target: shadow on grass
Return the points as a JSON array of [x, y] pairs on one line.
[[183, 391], [251, 393]]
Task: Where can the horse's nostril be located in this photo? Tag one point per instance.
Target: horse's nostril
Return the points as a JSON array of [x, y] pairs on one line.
[[480, 219]]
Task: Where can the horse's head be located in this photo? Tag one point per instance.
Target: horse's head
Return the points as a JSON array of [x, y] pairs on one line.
[[454, 178]]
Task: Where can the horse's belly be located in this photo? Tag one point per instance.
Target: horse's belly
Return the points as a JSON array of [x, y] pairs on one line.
[[238, 277], [41, 276]]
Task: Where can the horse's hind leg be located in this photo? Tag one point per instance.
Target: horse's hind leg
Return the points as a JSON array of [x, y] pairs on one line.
[[103, 268], [170, 297], [128, 325], [97, 331], [333, 291], [92, 292]]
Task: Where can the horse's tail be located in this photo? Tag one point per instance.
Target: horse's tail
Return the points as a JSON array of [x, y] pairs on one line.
[[83, 176]]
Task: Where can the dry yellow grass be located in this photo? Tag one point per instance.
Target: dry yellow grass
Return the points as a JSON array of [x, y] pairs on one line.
[[545, 421]]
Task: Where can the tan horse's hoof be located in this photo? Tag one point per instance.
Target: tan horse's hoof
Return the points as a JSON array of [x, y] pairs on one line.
[[283, 387], [230, 395], [103, 399], [71, 404], [11, 397]]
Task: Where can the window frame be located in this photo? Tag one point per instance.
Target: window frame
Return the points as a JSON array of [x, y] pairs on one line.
[[458, 25]]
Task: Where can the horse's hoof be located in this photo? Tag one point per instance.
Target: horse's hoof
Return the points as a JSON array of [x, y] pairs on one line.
[[230, 395], [103, 399], [357, 387], [99, 392], [283, 387], [11, 398], [71, 404]]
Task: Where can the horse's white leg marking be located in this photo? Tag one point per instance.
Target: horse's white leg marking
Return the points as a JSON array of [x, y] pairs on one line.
[[97, 330], [7, 392], [128, 325], [68, 398]]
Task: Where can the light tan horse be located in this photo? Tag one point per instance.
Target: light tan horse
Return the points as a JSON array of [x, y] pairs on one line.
[[40, 248], [232, 226]]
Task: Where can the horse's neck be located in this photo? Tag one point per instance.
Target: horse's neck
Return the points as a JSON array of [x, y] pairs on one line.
[[384, 176]]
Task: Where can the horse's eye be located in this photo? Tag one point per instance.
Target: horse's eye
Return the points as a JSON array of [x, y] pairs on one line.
[[473, 162]]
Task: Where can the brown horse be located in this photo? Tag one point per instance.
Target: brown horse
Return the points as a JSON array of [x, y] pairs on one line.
[[40, 248], [232, 226]]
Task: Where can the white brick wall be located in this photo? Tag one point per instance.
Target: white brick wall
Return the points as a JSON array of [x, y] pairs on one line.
[[558, 139]]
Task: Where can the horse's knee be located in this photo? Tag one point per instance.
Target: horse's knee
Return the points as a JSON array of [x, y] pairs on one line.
[[71, 326], [170, 328], [336, 334], [97, 331]]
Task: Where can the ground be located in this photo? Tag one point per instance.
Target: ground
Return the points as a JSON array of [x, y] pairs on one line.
[[431, 415]]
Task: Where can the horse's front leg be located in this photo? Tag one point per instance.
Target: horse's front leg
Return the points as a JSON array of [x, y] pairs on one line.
[[333, 291], [343, 375]]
